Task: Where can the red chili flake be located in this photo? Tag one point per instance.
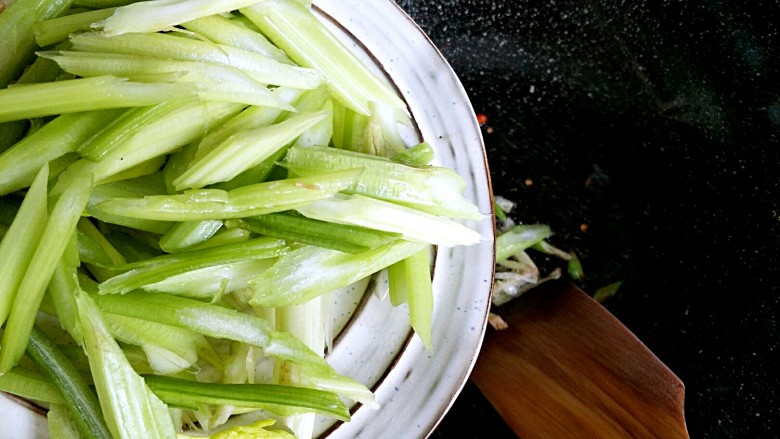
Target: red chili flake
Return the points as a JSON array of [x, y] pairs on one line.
[[583, 227], [481, 119]]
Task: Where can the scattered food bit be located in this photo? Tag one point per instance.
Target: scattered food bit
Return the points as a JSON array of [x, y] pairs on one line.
[[496, 322], [481, 118], [489, 130], [606, 292], [583, 227], [574, 267], [528, 182]]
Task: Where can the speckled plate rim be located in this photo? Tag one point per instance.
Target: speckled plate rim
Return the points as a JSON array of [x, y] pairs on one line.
[[415, 387]]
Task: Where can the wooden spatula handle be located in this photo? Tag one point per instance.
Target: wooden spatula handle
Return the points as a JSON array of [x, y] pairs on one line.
[[567, 368]]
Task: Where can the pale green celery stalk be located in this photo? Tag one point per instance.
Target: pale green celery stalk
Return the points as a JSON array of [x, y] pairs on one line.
[[139, 274], [54, 239], [82, 404], [418, 155], [547, 248], [375, 134], [224, 236], [413, 277], [319, 134], [154, 16], [213, 321], [341, 385], [243, 150], [30, 384], [16, 27], [252, 200], [135, 187], [129, 407], [84, 94], [62, 287], [275, 398], [412, 224], [110, 254], [213, 82], [101, 4], [574, 267], [163, 135], [20, 163], [169, 349], [58, 29], [309, 271], [222, 30], [294, 29], [142, 169], [258, 67], [187, 234], [123, 126], [520, 237], [60, 424], [433, 189], [211, 282], [18, 245], [296, 228]]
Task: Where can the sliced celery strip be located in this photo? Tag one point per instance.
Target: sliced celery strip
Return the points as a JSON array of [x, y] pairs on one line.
[[224, 31], [286, 399], [214, 82], [255, 430], [258, 67], [294, 28], [138, 274], [213, 321], [187, 234], [30, 384], [53, 241], [310, 271], [153, 16], [359, 210], [211, 282], [413, 277], [58, 29], [520, 237], [296, 228], [16, 27], [80, 400], [419, 155], [18, 245], [64, 134], [252, 200], [84, 94], [60, 424], [135, 187], [130, 409], [433, 189]]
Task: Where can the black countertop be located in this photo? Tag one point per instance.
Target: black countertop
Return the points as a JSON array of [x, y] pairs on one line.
[[657, 125]]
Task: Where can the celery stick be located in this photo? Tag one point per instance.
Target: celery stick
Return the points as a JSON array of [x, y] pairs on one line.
[[362, 211], [244, 150], [130, 409], [296, 228], [213, 321], [20, 163], [294, 29], [16, 27], [211, 282], [376, 134], [153, 16], [432, 189], [99, 4], [84, 94], [58, 29], [520, 237], [255, 430], [112, 257], [417, 292], [163, 135], [62, 286], [187, 234], [284, 399], [418, 155], [214, 82], [309, 271], [81, 402], [53, 241], [138, 274], [31, 385], [252, 200], [18, 245], [224, 31], [258, 67]]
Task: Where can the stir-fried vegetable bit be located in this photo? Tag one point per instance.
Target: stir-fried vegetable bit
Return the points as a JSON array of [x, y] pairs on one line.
[[182, 185]]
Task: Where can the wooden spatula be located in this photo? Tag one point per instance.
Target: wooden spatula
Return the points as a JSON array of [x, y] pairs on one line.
[[567, 368]]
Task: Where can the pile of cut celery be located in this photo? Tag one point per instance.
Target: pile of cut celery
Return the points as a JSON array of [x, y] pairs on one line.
[[183, 183]]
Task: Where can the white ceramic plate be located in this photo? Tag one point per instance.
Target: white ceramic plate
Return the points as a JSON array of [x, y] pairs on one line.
[[414, 387]]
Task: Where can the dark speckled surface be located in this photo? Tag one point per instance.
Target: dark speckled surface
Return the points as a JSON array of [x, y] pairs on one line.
[[657, 124]]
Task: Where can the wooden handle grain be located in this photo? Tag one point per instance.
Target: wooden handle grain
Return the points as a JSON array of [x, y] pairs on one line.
[[567, 368]]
